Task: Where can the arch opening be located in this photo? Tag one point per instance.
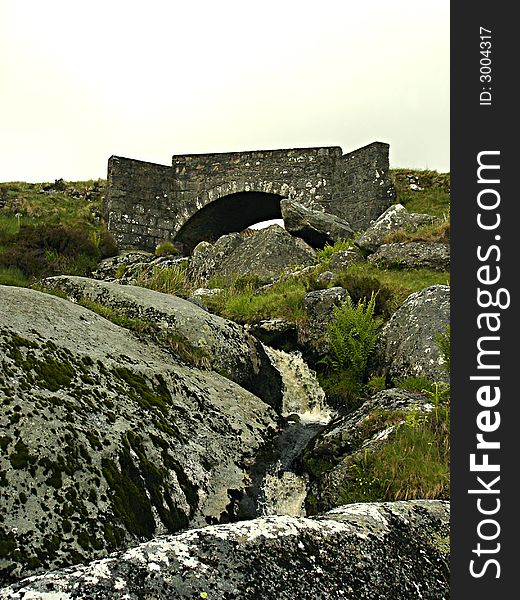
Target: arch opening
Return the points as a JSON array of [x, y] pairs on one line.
[[233, 212]]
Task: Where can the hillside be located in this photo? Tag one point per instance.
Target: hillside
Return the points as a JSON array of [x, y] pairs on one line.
[[154, 400]]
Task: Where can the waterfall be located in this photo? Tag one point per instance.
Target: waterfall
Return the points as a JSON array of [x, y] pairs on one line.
[[282, 491], [302, 393]]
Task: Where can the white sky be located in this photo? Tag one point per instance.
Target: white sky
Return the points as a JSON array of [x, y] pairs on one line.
[[83, 80]]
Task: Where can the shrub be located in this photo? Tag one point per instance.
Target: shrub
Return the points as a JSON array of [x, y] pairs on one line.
[[67, 241], [107, 245], [362, 287], [352, 337], [165, 249], [49, 249], [326, 253]]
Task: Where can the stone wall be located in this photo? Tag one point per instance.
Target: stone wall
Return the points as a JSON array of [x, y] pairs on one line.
[[203, 196], [362, 190], [139, 201]]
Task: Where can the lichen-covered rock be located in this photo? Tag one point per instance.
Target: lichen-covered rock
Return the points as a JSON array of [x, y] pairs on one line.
[[206, 259], [407, 345], [316, 227], [265, 255], [204, 339], [395, 217], [356, 552], [131, 266], [342, 260], [330, 459], [412, 255], [108, 440], [319, 307]]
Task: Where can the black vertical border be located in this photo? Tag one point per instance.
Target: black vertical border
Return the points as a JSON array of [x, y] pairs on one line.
[[476, 128]]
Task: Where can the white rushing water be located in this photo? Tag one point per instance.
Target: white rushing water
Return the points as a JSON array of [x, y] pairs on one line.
[[283, 492], [302, 393]]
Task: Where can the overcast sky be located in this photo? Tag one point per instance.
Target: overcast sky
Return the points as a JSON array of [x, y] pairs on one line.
[[83, 80]]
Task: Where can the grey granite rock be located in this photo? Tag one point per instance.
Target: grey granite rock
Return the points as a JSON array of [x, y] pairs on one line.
[[412, 255], [357, 552], [395, 217], [316, 227], [406, 345], [108, 440], [265, 255], [208, 340]]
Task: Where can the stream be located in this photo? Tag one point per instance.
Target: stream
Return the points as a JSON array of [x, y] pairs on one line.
[[276, 488]]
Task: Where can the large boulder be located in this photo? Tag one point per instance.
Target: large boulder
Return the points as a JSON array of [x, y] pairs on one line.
[[199, 337], [207, 259], [394, 218], [265, 255], [331, 459], [356, 552], [412, 255], [107, 440], [316, 227], [407, 344]]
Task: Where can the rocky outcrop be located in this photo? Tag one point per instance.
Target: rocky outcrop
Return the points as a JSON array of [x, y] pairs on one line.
[[265, 255], [207, 259], [316, 227], [406, 345], [394, 218], [202, 339], [331, 458], [107, 440], [130, 267], [356, 552], [412, 255]]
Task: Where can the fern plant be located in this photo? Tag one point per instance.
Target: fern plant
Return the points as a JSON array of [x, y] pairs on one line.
[[352, 337]]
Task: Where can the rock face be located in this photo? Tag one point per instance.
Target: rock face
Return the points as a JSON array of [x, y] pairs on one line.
[[394, 218], [319, 306], [204, 339], [356, 552], [108, 440], [412, 255], [406, 345], [316, 227], [266, 255], [330, 459]]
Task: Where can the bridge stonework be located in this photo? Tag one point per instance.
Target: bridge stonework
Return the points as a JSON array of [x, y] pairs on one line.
[[204, 196]]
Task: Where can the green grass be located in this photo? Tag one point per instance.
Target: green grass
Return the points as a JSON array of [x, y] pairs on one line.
[[432, 199], [13, 276], [169, 280], [413, 464], [76, 205], [283, 300], [403, 281], [33, 220]]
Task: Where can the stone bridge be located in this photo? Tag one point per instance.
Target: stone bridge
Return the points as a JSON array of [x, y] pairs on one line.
[[203, 196]]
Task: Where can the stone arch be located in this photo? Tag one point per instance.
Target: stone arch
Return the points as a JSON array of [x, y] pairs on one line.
[[222, 214]]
